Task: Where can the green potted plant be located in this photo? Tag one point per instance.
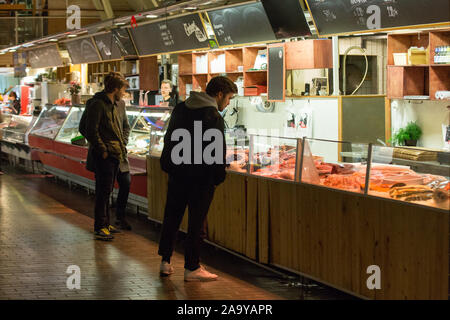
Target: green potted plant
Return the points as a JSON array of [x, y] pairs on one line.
[[408, 135]]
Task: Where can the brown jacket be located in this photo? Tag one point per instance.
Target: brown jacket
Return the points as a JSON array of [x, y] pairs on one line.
[[102, 129]]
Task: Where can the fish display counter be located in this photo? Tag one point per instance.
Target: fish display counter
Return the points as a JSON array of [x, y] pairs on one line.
[[329, 210]]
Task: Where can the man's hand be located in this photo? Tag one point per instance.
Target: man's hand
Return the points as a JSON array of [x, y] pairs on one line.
[[105, 155]]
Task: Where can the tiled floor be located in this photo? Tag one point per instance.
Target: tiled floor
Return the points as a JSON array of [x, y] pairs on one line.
[[45, 227]]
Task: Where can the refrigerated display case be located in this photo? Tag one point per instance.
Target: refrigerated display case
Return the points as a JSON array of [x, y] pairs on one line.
[[151, 122], [336, 165], [50, 121], [69, 129], [273, 157], [18, 128], [237, 142], [410, 175]]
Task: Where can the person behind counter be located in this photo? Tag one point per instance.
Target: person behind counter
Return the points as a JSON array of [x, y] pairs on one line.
[[15, 103], [168, 94], [192, 184], [107, 152]]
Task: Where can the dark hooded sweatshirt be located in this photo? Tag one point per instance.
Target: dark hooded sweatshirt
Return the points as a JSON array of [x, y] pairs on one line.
[[199, 107]]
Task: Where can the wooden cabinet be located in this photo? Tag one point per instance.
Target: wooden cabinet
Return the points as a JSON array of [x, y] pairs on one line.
[[190, 75], [98, 71], [240, 62], [309, 54], [422, 80], [149, 73]]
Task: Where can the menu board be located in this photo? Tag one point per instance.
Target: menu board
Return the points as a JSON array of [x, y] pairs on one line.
[[288, 19], [123, 41], [82, 51], [178, 34], [346, 16], [241, 24], [44, 57], [107, 46], [276, 78]]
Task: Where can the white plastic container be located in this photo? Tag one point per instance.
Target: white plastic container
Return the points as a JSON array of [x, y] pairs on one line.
[[400, 59]]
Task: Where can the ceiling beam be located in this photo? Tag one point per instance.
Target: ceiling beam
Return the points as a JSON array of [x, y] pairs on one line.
[[108, 9], [99, 6]]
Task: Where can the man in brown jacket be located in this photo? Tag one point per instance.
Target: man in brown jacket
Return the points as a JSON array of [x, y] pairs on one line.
[[107, 147]]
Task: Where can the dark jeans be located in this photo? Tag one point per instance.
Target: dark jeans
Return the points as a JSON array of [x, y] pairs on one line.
[[124, 181], [198, 199], [105, 173]]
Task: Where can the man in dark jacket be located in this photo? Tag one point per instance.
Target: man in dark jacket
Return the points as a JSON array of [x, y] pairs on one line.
[[123, 174], [193, 175], [107, 147]]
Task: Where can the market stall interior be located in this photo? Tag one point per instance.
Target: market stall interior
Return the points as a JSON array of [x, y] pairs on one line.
[[328, 106]]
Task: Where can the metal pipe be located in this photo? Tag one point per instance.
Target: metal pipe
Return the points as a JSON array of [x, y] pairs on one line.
[[335, 43], [345, 63]]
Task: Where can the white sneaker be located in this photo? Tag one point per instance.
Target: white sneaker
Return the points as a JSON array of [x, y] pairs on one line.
[[166, 268], [199, 274]]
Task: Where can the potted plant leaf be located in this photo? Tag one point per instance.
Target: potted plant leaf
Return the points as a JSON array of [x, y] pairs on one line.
[[408, 135]]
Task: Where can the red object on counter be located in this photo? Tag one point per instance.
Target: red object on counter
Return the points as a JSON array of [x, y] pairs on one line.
[[24, 99], [255, 90]]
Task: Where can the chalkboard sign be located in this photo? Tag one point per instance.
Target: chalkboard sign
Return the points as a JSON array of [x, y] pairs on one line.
[[286, 18], [347, 16], [107, 46], [178, 34], [241, 24], [276, 81], [123, 41], [44, 57], [82, 51]]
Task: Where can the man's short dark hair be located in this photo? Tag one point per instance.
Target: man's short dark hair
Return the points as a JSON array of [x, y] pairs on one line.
[[114, 80], [220, 84]]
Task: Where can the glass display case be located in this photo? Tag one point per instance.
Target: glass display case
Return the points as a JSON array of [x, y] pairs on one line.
[[50, 121], [151, 123], [238, 142], [69, 129], [411, 174], [273, 157], [18, 128], [336, 165], [132, 115]]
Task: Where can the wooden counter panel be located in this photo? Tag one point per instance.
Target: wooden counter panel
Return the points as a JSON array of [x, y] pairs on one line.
[[227, 217], [328, 235], [334, 237]]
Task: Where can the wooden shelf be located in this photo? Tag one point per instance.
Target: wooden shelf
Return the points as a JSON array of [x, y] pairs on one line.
[[185, 74], [423, 79], [410, 66], [255, 71], [439, 80]]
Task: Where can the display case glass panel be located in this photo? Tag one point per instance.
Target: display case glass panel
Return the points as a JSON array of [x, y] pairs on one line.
[[50, 121], [336, 165], [238, 142], [17, 128], [69, 129], [273, 157], [151, 122], [412, 175], [132, 115]]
